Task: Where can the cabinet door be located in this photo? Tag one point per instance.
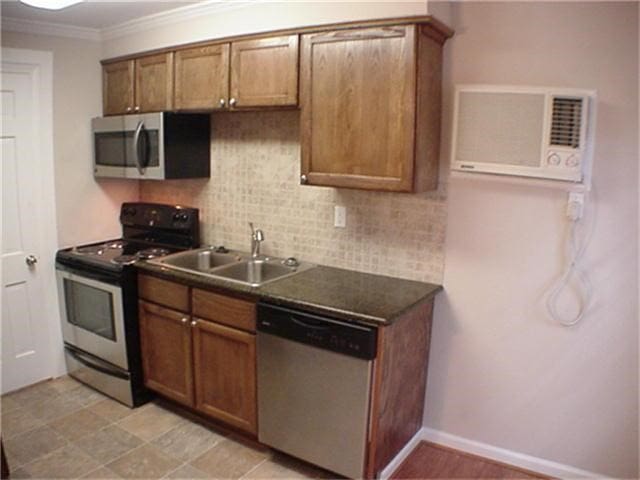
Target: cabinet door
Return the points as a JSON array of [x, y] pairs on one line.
[[357, 94], [165, 337], [225, 374], [264, 72], [117, 88], [202, 77], [154, 83]]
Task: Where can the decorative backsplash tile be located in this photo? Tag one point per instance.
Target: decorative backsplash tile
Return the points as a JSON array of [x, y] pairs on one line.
[[255, 171]]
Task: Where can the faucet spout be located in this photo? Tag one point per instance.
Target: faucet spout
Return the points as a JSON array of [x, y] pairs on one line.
[[257, 237]]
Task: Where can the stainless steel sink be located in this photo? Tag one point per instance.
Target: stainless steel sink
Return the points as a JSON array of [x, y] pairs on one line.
[[201, 260], [233, 266]]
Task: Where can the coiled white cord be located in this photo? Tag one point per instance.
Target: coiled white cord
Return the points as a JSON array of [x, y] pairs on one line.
[[574, 254]]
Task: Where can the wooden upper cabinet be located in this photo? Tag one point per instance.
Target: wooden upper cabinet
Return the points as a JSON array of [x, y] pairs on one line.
[[117, 87], [264, 72], [154, 83], [367, 95], [225, 374], [165, 337], [202, 77]]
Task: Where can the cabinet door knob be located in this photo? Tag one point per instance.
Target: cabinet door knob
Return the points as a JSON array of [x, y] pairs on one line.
[[129, 109], [222, 102], [303, 179], [232, 102], [193, 323], [184, 319], [137, 109]]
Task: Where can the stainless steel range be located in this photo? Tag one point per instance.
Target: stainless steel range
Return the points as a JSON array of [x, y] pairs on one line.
[[98, 294]]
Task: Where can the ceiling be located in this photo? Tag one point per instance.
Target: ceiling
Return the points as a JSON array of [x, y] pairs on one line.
[[90, 13]]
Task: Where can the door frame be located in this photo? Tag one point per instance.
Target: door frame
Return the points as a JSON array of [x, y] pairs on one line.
[[42, 64]]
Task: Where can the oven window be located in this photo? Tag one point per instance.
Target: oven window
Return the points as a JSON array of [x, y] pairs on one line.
[[109, 149], [90, 308]]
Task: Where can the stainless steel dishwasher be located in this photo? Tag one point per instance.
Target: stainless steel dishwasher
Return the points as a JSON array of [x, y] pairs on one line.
[[314, 383]]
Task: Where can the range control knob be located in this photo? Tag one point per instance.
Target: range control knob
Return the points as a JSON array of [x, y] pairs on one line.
[[129, 211], [180, 217], [553, 159]]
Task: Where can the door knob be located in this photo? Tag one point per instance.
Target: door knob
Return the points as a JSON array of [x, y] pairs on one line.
[[222, 102], [303, 179], [232, 102], [31, 260]]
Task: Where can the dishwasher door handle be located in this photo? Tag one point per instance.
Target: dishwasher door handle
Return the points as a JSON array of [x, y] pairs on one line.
[[314, 326]]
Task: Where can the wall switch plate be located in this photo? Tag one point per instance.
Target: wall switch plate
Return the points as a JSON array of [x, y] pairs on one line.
[[575, 205], [339, 216]]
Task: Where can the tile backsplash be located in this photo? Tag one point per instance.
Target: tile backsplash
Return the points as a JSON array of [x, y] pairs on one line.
[[255, 171]]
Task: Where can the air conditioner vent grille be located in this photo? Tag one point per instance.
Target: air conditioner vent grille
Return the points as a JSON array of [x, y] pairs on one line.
[[566, 122]]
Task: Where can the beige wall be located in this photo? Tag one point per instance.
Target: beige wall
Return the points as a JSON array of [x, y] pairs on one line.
[[252, 18], [86, 210], [501, 371]]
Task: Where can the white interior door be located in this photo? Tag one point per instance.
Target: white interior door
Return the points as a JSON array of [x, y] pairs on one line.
[[27, 316]]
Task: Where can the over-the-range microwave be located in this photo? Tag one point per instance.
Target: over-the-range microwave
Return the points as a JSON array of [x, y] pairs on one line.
[[153, 146]]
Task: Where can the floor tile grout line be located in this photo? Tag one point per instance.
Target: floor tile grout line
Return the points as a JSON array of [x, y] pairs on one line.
[[252, 469]]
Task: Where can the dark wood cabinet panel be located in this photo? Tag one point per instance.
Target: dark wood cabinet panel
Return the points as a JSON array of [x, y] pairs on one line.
[[370, 101], [202, 77], [154, 83], [264, 72], [166, 352], [229, 311], [225, 374], [117, 87], [163, 292]]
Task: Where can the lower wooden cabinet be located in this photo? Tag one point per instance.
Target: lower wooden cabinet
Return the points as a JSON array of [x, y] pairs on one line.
[[200, 363], [165, 337], [225, 374]]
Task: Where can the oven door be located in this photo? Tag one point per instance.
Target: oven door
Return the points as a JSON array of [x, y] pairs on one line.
[[93, 316]]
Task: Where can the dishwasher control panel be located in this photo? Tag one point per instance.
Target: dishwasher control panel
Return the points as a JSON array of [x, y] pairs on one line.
[[322, 332]]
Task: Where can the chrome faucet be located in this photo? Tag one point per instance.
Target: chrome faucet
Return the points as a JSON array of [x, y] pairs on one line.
[[256, 238]]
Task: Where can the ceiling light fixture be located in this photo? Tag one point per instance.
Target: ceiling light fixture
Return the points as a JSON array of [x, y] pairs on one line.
[[51, 4]]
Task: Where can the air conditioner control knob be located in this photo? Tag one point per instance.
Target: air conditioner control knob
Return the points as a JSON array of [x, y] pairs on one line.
[[553, 159], [572, 161]]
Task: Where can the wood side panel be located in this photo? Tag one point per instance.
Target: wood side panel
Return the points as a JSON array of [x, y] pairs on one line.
[[163, 292], [399, 387], [432, 26], [264, 72], [226, 310], [165, 339], [117, 87], [358, 108], [154, 82], [429, 111], [225, 374], [202, 77]]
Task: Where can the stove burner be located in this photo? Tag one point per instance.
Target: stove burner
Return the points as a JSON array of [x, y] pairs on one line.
[[150, 253], [91, 250], [125, 260]]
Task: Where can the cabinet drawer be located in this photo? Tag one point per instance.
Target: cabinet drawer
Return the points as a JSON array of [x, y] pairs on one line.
[[225, 310], [164, 292]]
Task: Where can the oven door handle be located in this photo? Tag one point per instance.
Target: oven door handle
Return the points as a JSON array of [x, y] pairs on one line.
[[90, 363]]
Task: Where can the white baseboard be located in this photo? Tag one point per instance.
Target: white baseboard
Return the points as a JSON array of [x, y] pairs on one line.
[[528, 462], [404, 453]]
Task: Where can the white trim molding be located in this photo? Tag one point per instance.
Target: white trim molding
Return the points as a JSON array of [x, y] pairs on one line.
[[520, 460], [53, 29], [173, 16]]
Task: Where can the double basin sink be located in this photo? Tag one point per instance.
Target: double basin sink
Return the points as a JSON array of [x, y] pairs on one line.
[[232, 266]]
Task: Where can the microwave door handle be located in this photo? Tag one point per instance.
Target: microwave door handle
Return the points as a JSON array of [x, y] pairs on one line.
[[136, 142]]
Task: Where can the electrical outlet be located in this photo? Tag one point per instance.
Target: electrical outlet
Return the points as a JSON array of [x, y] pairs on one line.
[[339, 216], [575, 205]]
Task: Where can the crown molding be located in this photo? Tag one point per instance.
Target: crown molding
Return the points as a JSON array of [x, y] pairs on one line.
[[10, 24], [176, 15]]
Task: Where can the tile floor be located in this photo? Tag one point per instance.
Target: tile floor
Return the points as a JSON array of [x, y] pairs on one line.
[[63, 429]]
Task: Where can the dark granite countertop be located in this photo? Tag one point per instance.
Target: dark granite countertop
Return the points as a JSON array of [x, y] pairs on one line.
[[346, 294]]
